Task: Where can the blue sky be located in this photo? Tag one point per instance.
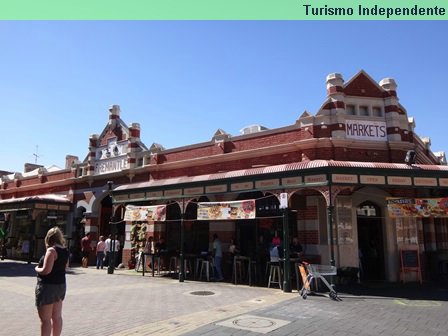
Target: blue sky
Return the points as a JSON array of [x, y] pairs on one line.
[[182, 80]]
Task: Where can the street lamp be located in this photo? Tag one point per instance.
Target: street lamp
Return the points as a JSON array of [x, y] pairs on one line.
[[111, 266]]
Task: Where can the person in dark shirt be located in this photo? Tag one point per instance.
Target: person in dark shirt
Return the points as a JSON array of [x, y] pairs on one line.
[[161, 252], [86, 248], [51, 285], [295, 249]]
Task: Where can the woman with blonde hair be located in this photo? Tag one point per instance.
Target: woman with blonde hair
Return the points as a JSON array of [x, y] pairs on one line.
[[51, 285]]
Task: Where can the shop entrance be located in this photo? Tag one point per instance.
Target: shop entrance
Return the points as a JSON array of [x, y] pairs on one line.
[[370, 243]]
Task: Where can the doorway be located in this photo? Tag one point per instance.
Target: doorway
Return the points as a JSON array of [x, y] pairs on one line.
[[370, 243]]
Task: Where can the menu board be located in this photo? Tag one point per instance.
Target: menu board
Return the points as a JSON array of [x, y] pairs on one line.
[[410, 261], [409, 258]]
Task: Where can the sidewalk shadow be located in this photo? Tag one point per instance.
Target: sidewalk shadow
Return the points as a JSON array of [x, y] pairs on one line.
[[18, 268], [433, 291], [12, 268]]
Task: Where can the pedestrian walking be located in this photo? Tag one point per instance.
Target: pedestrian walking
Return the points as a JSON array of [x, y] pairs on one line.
[[51, 285]]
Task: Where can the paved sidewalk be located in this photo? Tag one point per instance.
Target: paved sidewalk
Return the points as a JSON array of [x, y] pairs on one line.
[[126, 303]]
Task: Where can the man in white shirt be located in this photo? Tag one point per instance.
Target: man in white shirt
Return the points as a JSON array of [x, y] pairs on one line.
[[108, 250]]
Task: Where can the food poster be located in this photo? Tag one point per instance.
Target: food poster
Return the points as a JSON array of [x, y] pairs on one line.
[[407, 231], [417, 207], [344, 213], [226, 210], [145, 213]]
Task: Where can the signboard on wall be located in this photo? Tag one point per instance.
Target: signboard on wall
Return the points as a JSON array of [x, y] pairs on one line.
[[226, 210], [366, 130], [417, 207], [111, 165], [145, 213], [111, 157]]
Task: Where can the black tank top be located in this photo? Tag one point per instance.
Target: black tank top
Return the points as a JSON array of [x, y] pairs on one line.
[[57, 274]]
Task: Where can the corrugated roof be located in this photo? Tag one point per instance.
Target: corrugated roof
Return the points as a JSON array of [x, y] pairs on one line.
[[304, 165], [46, 197]]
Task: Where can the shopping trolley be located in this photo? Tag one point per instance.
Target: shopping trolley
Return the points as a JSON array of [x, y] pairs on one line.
[[310, 272]]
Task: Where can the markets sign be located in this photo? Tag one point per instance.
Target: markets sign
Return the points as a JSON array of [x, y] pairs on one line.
[[366, 130], [226, 210], [417, 207], [145, 213]]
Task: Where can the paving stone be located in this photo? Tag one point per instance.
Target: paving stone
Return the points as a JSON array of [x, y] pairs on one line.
[[128, 304]]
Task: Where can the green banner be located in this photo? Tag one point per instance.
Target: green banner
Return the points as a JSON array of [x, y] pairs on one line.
[[223, 10]]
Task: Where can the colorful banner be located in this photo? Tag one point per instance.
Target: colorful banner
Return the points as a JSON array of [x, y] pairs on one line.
[[223, 10], [226, 210], [149, 213], [417, 207]]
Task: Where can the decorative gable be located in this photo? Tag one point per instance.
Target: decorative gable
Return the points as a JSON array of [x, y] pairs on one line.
[[362, 85]]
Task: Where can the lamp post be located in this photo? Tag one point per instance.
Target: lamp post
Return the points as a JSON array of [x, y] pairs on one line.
[[330, 212], [182, 239], [287, 266], [286, 250], [111, 266]]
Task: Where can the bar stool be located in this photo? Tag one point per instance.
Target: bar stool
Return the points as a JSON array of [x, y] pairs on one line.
[[253, 270], [173, 265], [275, 276], [197, 267], [157, 260], [187, 266], [237, 274], [205, 267], [268, 264]]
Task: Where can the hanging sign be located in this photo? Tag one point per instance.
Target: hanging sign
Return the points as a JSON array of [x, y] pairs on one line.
[[417, 207], [226, 210], [283, 200], [145, 213]]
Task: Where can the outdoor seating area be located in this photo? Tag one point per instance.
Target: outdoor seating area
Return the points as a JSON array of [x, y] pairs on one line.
[[244, 270]]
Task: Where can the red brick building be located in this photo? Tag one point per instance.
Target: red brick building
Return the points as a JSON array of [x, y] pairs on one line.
[[347, 172]]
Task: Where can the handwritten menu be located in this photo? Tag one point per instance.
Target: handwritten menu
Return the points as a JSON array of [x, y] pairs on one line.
[[407, 232], [344, 214]]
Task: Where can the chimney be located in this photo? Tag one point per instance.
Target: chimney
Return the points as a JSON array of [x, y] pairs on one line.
[[30, 167], [70, 160]]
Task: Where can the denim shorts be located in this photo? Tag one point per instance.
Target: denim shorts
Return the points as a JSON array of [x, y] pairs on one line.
[[49, 293]]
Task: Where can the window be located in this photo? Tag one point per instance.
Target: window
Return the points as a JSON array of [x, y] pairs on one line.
[[376, 111], [351, 109], [363, 111]]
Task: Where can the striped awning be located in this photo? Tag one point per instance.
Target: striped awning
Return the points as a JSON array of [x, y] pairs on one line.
[[283, 168], [38, 198]]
